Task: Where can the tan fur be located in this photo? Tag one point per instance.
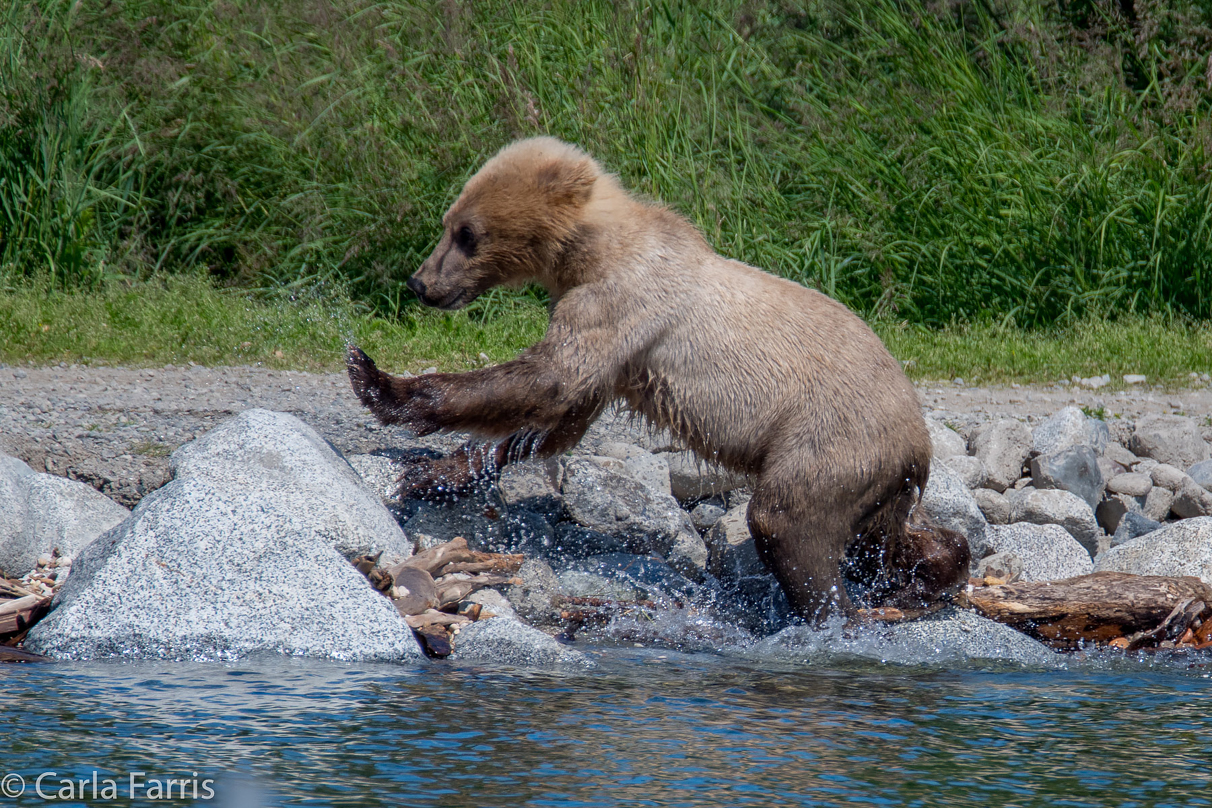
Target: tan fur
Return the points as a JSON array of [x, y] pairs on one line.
[[754, 372]]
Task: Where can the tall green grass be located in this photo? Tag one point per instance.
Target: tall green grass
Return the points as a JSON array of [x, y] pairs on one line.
[[1002, 161]]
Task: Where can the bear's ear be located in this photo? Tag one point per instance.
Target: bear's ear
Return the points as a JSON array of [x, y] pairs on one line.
[[568, 182]]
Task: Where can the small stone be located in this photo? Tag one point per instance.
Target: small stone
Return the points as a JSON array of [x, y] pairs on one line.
[[945, 441], [1191, 500], [970, 469], [1133, 525], [1118, 454], [1134, 485], [706, 514], [1158, 502], [995, 506], [1007, 567], [1202, 473], [1134, 378], [1166, 476], [1112, 510], [1003, 446]]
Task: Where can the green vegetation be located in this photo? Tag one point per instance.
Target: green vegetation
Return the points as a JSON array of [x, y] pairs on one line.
[[187, 319], [966, 161]]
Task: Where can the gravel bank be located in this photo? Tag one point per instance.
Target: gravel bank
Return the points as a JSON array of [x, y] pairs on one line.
[[114, 427]]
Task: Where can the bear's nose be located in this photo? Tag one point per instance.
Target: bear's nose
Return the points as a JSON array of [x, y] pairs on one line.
[[417, 286]]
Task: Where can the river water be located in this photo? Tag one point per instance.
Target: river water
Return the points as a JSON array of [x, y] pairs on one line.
[[645, 727]]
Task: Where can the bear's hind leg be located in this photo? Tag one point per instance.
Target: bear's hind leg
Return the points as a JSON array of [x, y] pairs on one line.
[[801, 537]]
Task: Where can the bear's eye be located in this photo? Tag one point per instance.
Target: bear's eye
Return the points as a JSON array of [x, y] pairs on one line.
[[465, 239]]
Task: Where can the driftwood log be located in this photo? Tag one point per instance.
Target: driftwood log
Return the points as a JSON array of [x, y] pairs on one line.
[[1132, 612]]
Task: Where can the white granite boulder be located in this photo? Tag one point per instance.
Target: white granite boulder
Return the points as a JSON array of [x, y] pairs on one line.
[[1055, 507], [1069, 427], [1181, 548], [1048, 552], [246, 551]]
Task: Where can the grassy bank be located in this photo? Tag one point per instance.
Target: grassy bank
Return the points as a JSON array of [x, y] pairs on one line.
[[931, 163], [187, 319]]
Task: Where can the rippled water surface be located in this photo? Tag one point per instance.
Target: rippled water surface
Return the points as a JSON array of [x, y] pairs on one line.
[[645, 727]]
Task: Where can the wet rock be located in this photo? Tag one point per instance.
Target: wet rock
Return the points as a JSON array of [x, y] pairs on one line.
[[1133, 485], [1182, 548], [1132, 526], [573, 541], [1158, 503], [1048, 552], [1073, 469], [969, 469], [691, 478], [1002, 446], [1112, 510], [502, 641], [942, 639], [640, 464], [1054, 507], [706, 514], [1171, 439], [536, 599], [1069, 427], [945, 440], [949, 502], [533, 485], [217, 568], [580, 584], [646, 520], [995, 506], [731, 554], [1202, 474], [263, 448], [1005, 566], [651, 577]]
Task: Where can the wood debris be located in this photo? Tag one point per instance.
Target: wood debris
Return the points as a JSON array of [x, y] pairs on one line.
[[1114, 609], [430, 589]]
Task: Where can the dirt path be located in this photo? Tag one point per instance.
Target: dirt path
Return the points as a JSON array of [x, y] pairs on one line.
[[114, 427]]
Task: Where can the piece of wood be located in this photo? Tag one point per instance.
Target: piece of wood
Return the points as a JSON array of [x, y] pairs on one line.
[[1095, 608], [452, 590], [435, 558], [414, 591], [435, 641], [19, 616], [21, 655], [494, 562], [435, 618]]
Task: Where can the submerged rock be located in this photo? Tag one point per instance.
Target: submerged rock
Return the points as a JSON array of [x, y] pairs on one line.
[[503, 641], [946, 638]]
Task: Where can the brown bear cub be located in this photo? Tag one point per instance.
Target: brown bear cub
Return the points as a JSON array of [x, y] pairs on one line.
[[751, 371]]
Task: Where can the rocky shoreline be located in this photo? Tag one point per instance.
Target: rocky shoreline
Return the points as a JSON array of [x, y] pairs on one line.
[[253, 490]]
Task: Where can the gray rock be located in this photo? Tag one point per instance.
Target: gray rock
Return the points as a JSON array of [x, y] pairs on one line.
[[730, 547], [1133, 525], [1166, 476], [261, 447], [1055, 507], [1110, 469], [995, 506], [1170, 439], [1073, 469], [969, 469], [1202, 474], [68, 515], [645, 520], [943, 639], [580, 584], [1133, 485], [1002, 446], [949, 502], [16, 544], [652, 578], [1069, 427], [706, 514], [692, 478], [502, 641], [945, 440], [493, 603], [214, 569], [1006, 566], [1116, 453], [1158, 503], [1191, 500], [1182, 548], [378, 473], [1112, 510], [1048, 552], [533, 485], [640, 464], [536, 599]]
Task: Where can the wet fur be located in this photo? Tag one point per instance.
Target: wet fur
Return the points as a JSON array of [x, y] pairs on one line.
[[752, 371]]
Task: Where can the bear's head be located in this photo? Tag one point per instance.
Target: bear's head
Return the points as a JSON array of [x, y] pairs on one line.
[[511, 223]]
